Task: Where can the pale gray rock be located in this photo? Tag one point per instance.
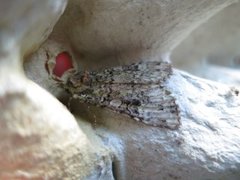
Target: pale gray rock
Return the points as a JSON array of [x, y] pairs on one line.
[[212, 50]]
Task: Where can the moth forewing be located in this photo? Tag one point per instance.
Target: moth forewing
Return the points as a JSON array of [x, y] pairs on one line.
[[136, 90]]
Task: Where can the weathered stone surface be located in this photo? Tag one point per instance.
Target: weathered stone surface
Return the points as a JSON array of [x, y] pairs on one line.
[[40, 139], [212, 50], [106, 33]]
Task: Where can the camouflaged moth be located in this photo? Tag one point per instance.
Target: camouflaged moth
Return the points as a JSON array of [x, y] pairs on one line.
[[136, 90]]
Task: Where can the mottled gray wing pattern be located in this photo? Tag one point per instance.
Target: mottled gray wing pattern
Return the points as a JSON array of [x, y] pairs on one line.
[[136, 90]]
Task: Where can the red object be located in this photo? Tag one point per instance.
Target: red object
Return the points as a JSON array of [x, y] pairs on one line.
[[63, 63]]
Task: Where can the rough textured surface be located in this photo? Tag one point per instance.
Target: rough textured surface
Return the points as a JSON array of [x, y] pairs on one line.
[[206, 145], [136, 90]]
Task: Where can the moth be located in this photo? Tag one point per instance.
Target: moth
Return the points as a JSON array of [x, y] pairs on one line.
[[136, 90]]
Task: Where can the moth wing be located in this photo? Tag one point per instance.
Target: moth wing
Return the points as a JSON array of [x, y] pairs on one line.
[[138, 73], [136, 90], [150, 104]]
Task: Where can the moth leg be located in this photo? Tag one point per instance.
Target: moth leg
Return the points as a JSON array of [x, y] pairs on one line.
[[70, 101]]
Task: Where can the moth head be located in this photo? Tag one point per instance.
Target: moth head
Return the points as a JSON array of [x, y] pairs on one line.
[[80, 80]]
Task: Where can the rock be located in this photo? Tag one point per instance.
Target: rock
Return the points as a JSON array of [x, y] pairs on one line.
[[212, 50]]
